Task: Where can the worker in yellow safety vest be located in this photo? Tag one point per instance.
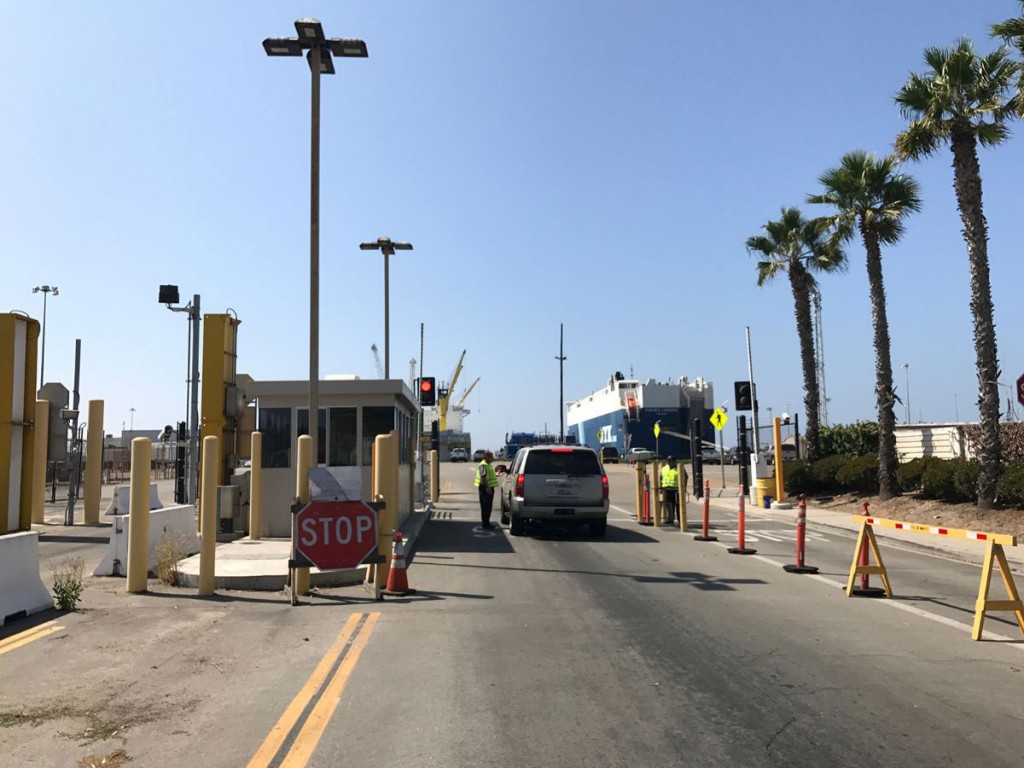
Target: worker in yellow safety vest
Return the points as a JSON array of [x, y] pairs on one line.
[[485, 482], [670, 490]]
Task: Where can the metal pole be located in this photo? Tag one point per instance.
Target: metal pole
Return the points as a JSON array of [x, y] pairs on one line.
[[42, 362], [753, 394], [193, 433], [561, 384], [314, 256], [69, 513], [906, 369], [387, 321], [419, 435], [721, 454]]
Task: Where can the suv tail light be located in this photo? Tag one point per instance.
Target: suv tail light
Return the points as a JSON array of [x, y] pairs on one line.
[[520, 486], [604, 487]]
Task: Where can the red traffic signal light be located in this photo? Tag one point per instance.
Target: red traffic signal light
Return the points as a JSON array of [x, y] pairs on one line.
[[428, 391]]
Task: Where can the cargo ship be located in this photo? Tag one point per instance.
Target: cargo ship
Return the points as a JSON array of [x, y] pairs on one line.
[[623, 413]]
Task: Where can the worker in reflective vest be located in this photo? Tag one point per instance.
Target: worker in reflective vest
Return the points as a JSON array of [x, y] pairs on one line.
[[670, 490], [486, 481]]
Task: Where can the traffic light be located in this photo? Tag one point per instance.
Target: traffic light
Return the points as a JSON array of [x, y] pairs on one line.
[[435, 436], [428, 391], [743, 396]]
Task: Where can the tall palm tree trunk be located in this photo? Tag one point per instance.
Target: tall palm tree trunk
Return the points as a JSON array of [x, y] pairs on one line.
[[884, 393], [967, 182], [798, 279]]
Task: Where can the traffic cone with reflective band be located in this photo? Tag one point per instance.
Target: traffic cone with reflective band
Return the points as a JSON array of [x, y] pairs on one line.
[[398, 581]]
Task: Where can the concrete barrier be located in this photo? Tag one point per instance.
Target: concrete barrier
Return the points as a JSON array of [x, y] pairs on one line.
[[180, 520], [122, 494], [21, 589]]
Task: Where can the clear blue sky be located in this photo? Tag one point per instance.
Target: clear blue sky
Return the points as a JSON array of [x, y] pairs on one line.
[[597, 164]]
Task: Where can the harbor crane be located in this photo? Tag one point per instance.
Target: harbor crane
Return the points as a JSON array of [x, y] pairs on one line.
[[444, 394]]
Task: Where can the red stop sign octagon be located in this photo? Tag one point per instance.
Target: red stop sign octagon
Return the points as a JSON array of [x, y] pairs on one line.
[[336, 534]]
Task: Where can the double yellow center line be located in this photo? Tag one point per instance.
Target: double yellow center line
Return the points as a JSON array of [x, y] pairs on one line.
[[328, 680], [26, 637]]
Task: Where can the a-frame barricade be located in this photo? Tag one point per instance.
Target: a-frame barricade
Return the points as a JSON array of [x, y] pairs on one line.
[[994, 555]]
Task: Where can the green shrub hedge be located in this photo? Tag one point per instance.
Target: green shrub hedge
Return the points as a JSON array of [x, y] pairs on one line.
[[1011, 485], [860, 475]]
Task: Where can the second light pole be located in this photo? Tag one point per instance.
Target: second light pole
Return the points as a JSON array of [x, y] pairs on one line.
[[388, 248]]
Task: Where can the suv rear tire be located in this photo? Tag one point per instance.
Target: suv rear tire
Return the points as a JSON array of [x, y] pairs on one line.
[[504, 512], [598, 528], [516, 526]]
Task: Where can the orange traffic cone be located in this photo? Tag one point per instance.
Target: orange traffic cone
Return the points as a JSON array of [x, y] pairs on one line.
[[398, 581]]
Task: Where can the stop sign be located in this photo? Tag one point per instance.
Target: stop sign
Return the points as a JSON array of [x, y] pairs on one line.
[[336, 534], [1020, 389]]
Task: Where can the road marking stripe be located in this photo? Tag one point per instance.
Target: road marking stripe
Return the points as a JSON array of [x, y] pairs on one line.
[[26, 637], [291, 715], [302, 750]]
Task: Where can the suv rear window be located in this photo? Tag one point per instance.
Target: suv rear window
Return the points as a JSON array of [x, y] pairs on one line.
[[562, 463]]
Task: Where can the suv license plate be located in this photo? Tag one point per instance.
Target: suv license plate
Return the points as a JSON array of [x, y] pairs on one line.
[[565, 511]]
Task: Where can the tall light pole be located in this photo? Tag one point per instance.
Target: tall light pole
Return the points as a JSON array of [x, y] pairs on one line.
[[388, 248], [906, 369], [561, 383], [169, 297], [45, 289], [311, 38]]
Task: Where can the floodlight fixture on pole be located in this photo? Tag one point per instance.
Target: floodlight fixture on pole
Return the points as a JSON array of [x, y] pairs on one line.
[[45, 290], [168, 297], [320, 52], [388, 248]]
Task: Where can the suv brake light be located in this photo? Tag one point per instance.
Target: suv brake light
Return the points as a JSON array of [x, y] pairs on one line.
[[604, 486], [561, 450], [520, 485]]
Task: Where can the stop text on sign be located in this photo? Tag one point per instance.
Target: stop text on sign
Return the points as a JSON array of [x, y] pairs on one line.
[[343, 530]]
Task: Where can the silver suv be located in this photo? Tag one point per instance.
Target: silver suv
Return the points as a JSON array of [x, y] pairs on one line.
[[555, 483]]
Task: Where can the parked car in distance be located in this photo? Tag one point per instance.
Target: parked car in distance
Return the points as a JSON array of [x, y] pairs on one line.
[[609, 454], [555, 484], [478, 454], [458, 454], [788, 453], [633, 455], [711, 456]]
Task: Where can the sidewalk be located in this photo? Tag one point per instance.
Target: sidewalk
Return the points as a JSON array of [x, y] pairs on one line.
[[964, 550]]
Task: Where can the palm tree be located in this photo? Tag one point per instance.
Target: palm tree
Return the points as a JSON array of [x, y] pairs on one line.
[[873, 198], [963, 100], [800, 247], [1012, 30]]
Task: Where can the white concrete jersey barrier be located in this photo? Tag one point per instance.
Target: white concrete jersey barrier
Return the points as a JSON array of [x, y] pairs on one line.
[[21, 588], [180, 521], [122, 497]]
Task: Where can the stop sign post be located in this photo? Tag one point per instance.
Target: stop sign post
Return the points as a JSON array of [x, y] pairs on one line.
[[1020, 389], [332, 535]]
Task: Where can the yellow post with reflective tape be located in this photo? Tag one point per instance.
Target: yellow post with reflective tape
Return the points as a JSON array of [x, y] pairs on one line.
[[208, 528], [18, 335], [256, 487], [385, 488]]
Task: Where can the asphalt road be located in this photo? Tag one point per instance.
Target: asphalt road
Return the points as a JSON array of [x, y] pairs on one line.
[[646, 648]]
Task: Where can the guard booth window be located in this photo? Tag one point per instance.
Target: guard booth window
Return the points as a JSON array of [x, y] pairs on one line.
[[377, 420], [341, 448], [275, 425], [321, 429]]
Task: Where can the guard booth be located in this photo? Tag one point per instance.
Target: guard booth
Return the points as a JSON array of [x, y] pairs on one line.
[[353, 412]]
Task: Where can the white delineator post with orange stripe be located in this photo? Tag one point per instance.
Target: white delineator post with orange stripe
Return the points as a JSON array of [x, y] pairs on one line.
[[993, 555]]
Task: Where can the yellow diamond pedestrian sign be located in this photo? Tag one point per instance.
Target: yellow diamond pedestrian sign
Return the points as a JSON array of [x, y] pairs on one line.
[[719, 419], [657, 428]]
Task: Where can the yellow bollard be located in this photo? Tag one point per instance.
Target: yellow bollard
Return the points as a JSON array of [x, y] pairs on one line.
[[385, 488], [777, 436], [208, 532], [94, 468], [256, 488], [641, 475], [39, 435], [656, 502], [138, 515], [435, 477], [300, 585]]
